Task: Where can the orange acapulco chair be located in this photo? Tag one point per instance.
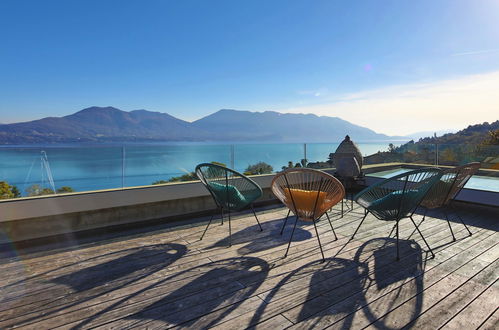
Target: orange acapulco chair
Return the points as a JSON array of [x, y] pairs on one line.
[[308, 193]]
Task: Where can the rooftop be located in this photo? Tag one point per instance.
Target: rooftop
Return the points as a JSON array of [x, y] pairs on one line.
[[164, 276]]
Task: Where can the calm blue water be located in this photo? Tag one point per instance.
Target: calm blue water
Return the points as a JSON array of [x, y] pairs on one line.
[[476, 182], [104, 167]]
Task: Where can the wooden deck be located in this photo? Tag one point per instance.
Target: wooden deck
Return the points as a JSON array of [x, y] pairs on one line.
[[166, 277]]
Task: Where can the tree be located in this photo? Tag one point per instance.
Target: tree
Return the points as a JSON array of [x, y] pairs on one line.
[[5, 190], [190, 176], [37, 190], [258, 168], [449, 157], [391, 148], [185, 177], [159, 182], [65, 189], [492, 138], [8, 191], [15, 191]]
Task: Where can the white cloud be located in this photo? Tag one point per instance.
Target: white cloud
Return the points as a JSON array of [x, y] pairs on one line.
[[314, 92], [401, 110], [477, 52]]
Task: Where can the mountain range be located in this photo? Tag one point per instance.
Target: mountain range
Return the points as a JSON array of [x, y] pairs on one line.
[[109, 124]]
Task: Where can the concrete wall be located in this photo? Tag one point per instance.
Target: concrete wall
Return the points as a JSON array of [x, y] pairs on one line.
[[29, 218]]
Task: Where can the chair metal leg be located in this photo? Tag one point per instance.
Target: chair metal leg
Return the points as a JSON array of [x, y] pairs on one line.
[[319, 240], [460, 219], [291, 238], [342, 207], [450, 227], [397, 233], [285, 221], [222, 211], [335, 237], [391, 231], [204, 232], [364, 218], [261, 229], [419, 224], [230, 230], [428, 246]]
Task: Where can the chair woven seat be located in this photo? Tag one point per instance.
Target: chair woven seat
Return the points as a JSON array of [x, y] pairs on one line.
[[396, 198], [449, 185], [231, 190], [446, 189], [308, 193]]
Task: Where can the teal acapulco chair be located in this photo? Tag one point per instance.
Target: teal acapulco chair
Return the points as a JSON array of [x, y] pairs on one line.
[[396, 198], [231, 190], [446, 189]]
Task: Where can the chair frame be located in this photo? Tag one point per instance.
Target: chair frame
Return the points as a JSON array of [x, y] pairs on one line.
[[400, 216], [315, 217], [462, 174], [219, 204]]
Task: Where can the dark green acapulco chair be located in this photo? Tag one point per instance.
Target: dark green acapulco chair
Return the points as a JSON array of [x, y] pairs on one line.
[[396, 198], [231, 190]]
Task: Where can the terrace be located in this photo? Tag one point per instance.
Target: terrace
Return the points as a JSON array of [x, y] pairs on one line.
[[132, 258]]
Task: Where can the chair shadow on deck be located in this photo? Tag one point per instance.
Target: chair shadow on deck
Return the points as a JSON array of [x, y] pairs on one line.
[[338, 287], [124, 266], [107, 272], [269, 238], [222, 286]]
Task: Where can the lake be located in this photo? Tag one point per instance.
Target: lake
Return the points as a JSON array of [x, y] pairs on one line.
[[96, 167]]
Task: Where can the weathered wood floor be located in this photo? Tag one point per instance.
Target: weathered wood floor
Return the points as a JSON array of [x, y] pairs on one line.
[[168, 278]]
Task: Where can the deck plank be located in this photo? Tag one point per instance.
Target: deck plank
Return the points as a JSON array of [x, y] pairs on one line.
[[169, 278]]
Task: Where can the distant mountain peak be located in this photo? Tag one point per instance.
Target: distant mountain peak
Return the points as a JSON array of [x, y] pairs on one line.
[[97, 108], [101, 124]]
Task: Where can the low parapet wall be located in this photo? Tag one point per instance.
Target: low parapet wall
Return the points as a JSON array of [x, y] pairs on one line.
[[29, 218]]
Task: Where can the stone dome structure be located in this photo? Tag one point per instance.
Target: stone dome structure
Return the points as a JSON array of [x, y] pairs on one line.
[[347, 148]]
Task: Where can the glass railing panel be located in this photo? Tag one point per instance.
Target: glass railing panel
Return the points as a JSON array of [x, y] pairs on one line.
[[45, 170], [407, 153], [20, 171], [319, 155], [154, 164], [271, 157], [459, 154]]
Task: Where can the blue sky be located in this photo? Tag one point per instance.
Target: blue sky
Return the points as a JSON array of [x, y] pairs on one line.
[[354, 59]]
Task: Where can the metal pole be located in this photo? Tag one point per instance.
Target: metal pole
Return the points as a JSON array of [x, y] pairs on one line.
[[123, 166], [436, 154], [231, 156], [305, 153]]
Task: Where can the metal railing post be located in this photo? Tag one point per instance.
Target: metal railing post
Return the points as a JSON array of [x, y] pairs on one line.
[[231, 156], [123, 166]]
